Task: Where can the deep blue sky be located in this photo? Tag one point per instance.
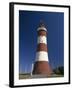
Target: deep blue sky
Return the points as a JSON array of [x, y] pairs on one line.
[[28, 24]]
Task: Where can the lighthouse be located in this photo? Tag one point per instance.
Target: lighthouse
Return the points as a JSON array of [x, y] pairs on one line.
[[41, 64]]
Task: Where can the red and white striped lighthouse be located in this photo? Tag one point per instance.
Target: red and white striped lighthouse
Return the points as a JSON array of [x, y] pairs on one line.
[[41, 65]]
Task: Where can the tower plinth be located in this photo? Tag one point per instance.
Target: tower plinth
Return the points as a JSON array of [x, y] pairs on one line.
[[41, 65]]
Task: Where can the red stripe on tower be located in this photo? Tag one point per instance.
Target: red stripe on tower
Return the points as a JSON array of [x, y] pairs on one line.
[[41, 65]]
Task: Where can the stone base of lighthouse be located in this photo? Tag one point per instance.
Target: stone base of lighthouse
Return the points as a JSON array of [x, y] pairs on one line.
[[42, 67]]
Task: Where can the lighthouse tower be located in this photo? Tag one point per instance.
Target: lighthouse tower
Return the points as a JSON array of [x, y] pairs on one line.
[[41, 65]]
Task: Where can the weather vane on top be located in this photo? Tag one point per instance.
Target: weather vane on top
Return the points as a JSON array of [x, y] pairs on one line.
[[42, 24]]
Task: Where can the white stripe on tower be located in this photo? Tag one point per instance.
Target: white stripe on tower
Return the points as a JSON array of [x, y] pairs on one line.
[[42, 39], [42, 56], [41, 28]]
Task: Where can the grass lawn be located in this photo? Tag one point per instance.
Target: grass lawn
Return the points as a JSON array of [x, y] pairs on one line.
[[29, 76]]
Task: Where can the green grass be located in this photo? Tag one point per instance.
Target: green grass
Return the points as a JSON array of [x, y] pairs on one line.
[[28, 76]]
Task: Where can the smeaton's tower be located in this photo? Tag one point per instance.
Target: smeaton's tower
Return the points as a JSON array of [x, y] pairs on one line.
[[41, 65]]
